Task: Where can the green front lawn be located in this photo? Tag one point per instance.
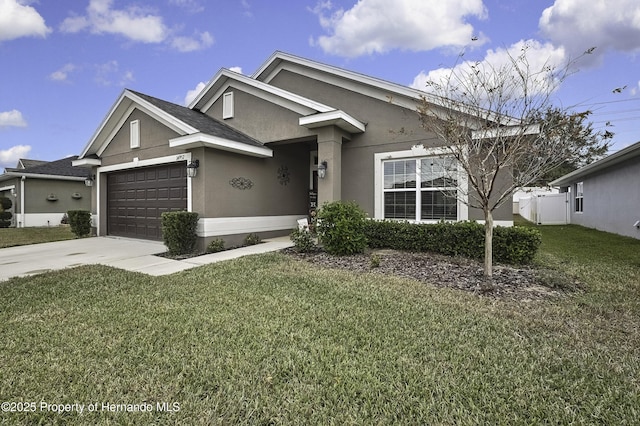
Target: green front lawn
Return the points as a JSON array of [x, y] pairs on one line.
[[269, 340], [10, 237]]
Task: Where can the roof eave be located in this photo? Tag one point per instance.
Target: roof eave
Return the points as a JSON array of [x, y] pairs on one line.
[[221, 80], [87, 162], [336, 118], [613, 159], [403, 96], [209, 141], [13, 175]]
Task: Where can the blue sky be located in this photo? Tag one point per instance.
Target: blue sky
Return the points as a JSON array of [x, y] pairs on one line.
[[65, 62]]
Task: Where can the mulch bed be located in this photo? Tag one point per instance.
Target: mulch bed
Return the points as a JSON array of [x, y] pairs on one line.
[[523, 283]]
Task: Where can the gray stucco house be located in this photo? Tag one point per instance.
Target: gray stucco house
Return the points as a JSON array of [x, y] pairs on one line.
[[43, 191], [605, 195], [268, 148]]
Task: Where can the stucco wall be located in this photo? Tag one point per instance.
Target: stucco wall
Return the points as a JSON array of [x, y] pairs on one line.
[[38, 211], [154, 141], [37, 191], [273, 186], [611, 200], [261, 119], [389, 127]]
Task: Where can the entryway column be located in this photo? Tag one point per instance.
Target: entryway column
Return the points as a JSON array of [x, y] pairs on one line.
[[330, 150]]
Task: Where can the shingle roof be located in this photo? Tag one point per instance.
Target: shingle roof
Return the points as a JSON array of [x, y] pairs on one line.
[[61, 167], [26, 163], [200, 121]]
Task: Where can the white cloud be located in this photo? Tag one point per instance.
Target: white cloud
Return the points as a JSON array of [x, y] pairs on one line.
[[378, 26], [581, 24], [74, 24], [12, 118], [190, 44], [126, 78], [236, 69], [134, 23], [109, 73], [9, 157], [538, 56], [246, 7], [193, 93], [192, 6], [63, 73], [19, 20]]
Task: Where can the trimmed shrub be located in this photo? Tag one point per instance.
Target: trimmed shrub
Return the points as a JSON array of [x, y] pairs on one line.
[[512, 245], [341, 228], [80, 222], [303, 240], [215, 246], [5, 215], [5, 219], [5, 203], [179, 232], [517, 244], [252, 240]]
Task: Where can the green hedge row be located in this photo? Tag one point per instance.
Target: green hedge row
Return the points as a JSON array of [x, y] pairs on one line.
[[511, 245]]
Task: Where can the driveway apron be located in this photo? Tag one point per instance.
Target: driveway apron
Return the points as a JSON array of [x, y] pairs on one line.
[[124, 253]]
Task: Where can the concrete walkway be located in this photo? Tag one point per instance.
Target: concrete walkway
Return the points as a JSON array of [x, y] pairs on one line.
[[123, 253]]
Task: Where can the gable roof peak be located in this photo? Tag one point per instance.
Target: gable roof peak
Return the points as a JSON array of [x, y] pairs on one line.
[[280, 60]]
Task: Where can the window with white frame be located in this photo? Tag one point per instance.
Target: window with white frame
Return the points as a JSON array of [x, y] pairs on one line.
[[420, 189], [579, 197]]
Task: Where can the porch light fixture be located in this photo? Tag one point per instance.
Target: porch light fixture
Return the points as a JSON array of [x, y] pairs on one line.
[[322, 169], [192, 168], [89, 180]]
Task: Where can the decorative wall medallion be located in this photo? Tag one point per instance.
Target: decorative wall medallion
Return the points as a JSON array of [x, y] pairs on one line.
[[241, 183], [283, 175]]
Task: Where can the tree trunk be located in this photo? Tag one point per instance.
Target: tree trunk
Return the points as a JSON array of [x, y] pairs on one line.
[[488, 244]]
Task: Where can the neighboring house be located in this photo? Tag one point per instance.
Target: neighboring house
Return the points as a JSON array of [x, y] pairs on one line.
[[43, 191], [268, 149], [605, 195]]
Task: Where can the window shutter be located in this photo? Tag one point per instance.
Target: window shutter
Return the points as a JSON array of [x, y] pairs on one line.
[[135, 134], [227, 105]]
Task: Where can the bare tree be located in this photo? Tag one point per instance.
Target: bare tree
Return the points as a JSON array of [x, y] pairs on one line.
[[500, 125]]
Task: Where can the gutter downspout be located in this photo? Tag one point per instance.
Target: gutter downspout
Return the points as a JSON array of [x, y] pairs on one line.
[[22, 212]]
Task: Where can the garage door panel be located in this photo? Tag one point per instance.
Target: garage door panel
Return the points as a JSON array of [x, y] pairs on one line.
[[137, 198], [175, 172], [175, 193], [163, 174]]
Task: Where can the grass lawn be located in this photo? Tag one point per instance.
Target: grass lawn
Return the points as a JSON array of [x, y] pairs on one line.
[[10, 237], [268, 340]]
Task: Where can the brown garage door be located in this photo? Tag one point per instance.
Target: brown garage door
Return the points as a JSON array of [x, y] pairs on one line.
[[136, 198]]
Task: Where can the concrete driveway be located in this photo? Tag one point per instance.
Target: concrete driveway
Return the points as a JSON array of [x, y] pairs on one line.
[[124, 253]]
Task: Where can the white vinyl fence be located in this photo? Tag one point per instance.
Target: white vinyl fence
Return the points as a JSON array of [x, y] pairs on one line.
[[549, 209]]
